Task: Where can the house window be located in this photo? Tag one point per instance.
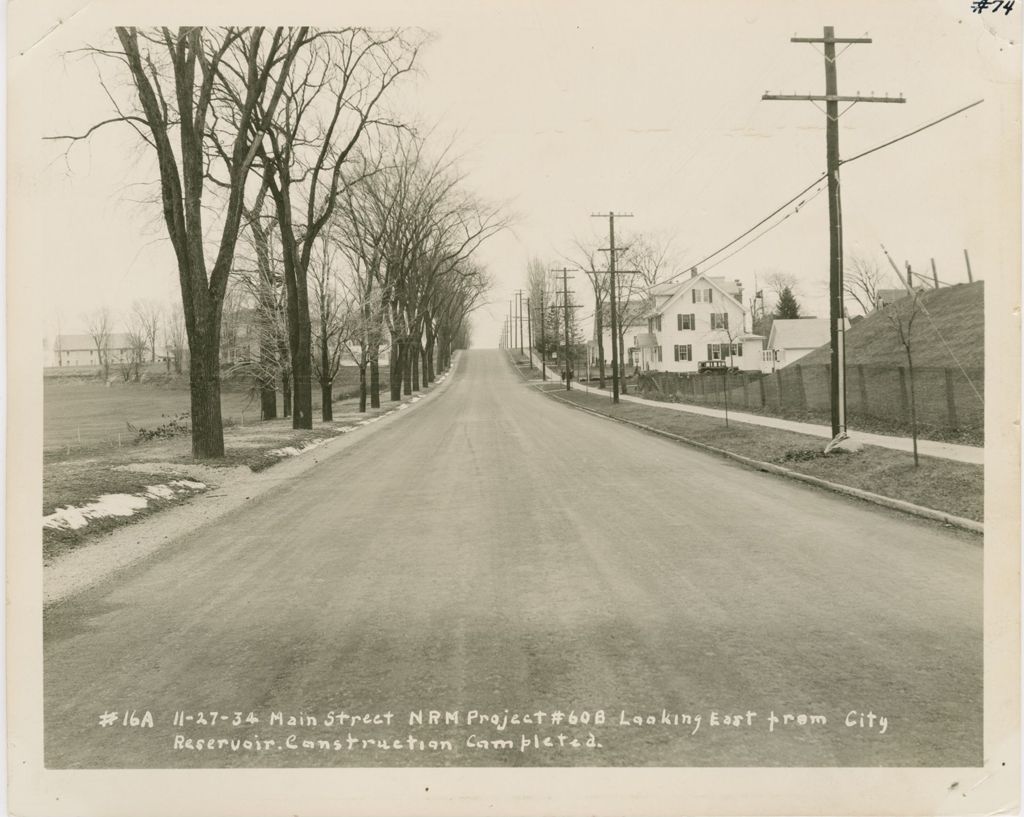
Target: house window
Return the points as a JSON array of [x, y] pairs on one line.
[[657, 323], [719, 320], [684, 352], [659, 354], [686, 322], [701, 296]]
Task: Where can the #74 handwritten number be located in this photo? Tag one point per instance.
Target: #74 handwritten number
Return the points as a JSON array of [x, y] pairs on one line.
[[979, 6]]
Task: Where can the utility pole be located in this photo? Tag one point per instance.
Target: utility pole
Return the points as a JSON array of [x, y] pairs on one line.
[[967, 259], [566, 306], [935, 274], [831, 98], [613, 299], [543, 339], [529, 333], [519, 318]]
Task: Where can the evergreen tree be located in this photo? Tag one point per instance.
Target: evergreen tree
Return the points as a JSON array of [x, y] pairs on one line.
[[787, 307]]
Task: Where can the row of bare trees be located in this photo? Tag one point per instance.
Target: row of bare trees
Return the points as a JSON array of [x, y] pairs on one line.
[[281, 137]]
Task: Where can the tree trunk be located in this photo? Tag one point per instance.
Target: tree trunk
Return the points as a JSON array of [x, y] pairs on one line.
[[362, 389], [325, 401], [302, 379], [326, 382], [599, 326], [428, 361], [375, 380], [286, 392], [414, 364], [268, 402], [395, 371], [407, 356], [913, 406], [204, 386]]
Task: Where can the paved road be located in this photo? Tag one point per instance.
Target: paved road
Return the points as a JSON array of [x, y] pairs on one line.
[[495, 550]]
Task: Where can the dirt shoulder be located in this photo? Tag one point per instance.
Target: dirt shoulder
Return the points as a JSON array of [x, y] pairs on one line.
[[259, 458]]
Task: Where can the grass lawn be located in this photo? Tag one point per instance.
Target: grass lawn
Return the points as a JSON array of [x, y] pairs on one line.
[[83, 414], [76, 475], [953, 487]]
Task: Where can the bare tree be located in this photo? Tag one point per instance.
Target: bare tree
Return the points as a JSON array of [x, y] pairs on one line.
[[146, 317], [174, 338], [328, 329], [332, 100], [589, 259], [222, 92], [98, 324], [132, 358], [901, 315], [862, 280]]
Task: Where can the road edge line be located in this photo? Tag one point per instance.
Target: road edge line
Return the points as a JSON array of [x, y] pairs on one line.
[[759, 465]]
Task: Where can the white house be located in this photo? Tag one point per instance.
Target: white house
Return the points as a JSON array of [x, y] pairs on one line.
[[80, 350], [699, 319], [792, 338]]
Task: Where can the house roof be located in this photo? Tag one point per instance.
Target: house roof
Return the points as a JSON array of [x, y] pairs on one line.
[[798, 333], [665, 294], [74, 343]]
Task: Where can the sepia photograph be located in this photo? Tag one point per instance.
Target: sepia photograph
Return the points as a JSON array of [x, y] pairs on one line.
[[539, 408]]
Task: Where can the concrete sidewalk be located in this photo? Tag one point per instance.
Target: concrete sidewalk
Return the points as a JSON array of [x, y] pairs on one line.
[[927, 448]]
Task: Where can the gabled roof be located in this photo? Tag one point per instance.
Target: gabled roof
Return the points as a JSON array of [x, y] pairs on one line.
[[663, 296], [798, 333]]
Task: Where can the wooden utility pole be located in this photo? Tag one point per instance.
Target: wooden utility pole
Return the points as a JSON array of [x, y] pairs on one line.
[[831, 98], [967, 260], [543, 340], [519, 318], [566, 306], [935, 274], [611, 249], [529, 333]]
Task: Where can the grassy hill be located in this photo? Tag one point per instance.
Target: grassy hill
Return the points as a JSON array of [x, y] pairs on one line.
[[957, 312]]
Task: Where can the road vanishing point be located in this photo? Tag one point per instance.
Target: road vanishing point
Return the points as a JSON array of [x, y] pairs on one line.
[[497, 579]]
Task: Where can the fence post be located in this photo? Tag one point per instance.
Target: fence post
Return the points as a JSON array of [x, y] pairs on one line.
[[760, 382], [904, 400], [954, 421], [862, 387], [801, 391]]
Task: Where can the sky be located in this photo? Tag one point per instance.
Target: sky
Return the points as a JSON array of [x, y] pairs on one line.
[[559, 110]]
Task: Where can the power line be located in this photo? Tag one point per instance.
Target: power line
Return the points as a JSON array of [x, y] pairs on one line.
[[822, 177], [909, 134]]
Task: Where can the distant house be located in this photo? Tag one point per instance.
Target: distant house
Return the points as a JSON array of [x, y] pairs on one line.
[[791, 339], [80, 350], [699, 319]]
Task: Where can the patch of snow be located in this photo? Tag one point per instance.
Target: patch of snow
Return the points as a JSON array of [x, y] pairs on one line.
[[107, 505], [72, 518], [292, 451], [187, 483]]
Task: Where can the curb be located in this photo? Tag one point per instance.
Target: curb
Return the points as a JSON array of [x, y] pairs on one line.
[[758, 465]]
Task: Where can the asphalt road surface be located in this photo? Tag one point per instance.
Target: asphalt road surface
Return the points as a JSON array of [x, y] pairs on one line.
[[561, 589]]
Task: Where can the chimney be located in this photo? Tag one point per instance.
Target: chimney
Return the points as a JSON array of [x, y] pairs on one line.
[[693, 272]]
